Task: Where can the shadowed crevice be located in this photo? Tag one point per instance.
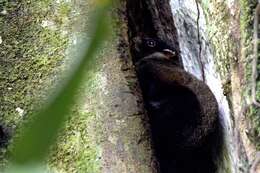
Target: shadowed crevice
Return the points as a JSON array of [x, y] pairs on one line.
[[4, 136]]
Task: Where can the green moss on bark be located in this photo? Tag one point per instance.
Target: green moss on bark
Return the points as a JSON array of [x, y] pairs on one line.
[[218, 22], [34, 41], [31, 51], [247, 20]]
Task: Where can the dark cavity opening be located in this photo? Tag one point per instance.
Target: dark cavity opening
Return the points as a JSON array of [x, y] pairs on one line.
[[4, 136]]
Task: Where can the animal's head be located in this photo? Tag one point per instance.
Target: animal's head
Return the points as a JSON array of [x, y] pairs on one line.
[[146, 46]]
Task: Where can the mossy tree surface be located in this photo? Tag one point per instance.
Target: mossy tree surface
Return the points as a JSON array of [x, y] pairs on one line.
[[218, 20], [34, 41], [32, 47], [247, 26], [105, 131], [230, 27]]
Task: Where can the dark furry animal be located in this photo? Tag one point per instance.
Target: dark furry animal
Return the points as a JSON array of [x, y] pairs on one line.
[[182, 110], [146, 46]]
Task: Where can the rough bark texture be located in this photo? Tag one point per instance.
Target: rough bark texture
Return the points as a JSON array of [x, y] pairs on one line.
[[122, 133], [107, 133], [230, 25], [126, 142]]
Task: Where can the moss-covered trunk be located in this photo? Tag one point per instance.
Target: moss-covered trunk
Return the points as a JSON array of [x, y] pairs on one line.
[[108, 130], [230, 28]]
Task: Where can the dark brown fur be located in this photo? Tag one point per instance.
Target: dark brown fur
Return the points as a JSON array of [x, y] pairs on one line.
[[183, 114]]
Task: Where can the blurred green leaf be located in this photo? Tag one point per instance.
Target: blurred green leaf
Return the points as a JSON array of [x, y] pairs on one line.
[[31, 147]]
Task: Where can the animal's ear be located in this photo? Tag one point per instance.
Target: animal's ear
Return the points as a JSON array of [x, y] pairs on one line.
[[137, 41]]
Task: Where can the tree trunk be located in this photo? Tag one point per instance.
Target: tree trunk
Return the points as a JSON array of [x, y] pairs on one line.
[[111, 133]]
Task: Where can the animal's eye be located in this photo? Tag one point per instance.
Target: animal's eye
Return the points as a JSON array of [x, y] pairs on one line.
[[151, 43]]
